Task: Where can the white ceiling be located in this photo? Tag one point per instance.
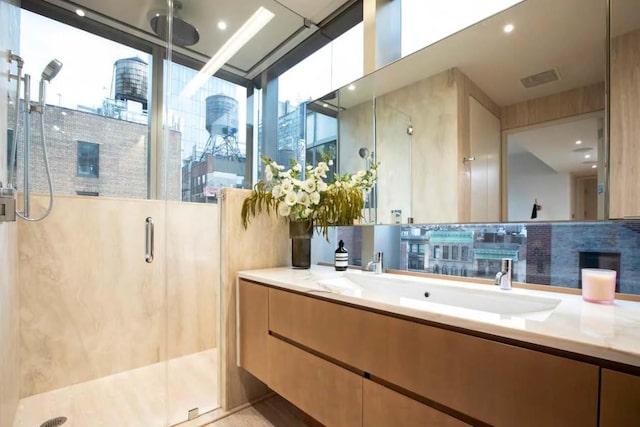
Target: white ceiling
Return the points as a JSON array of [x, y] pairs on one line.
[[285, 30], [315, 10], [568, 35], [555, 144]]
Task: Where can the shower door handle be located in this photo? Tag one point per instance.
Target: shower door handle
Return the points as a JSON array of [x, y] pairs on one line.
[[149, 243]]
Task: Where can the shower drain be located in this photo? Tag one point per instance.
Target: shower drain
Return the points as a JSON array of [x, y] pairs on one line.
[[54, 422]]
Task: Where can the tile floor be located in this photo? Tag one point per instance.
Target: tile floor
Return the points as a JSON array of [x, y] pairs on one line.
[[135, 398], [271, 412]]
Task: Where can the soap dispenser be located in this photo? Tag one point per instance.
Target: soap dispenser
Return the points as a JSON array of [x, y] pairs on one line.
[[341, 261]]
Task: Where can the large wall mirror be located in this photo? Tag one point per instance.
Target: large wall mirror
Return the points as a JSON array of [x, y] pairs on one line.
[[488, 125]]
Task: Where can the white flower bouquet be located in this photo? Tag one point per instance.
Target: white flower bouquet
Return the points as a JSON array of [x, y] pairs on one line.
[[311, 196]]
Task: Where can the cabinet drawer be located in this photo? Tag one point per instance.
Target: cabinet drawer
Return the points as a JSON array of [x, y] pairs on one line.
[[330, 394], [332, 329], [493, 382], [253, 324], [499, 384], [619, 399], [384, 407]]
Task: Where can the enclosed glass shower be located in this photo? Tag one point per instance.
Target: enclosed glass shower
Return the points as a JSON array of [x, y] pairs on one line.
[[111, 310]]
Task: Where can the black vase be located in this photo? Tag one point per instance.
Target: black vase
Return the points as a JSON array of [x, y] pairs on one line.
[[300, 233]]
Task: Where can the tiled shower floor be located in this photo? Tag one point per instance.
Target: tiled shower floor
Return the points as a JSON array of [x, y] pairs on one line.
[[135, 398]]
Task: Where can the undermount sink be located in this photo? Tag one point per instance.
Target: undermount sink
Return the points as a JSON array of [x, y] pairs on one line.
[[427, 295]]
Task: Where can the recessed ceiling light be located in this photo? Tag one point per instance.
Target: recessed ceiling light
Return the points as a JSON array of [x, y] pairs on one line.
[[79, 12], [222, 25], [64, 113], [594, 166], [508, 28], [325, 105], [578, 142], [587, 156], [352, 87], [56, 128]]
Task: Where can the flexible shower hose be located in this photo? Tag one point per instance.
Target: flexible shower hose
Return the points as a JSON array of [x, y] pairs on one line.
[[14, 145], [46, 165]]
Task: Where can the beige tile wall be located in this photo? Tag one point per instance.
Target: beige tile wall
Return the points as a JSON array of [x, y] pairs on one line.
[[8, 322], [264, 244], [90, 306], [193, 276], [433, 106]]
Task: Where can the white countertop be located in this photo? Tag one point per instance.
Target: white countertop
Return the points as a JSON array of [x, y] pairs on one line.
[[610, 332]]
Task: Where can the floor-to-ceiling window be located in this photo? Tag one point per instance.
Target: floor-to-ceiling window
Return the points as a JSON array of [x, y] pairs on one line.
[[305, 134], [98, 102], [212, 122]]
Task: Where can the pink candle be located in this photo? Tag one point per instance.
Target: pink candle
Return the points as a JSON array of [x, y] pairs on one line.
[[598, 285]]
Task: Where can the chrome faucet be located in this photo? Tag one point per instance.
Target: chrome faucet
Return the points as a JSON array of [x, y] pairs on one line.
[[376, 264], [503, 278]]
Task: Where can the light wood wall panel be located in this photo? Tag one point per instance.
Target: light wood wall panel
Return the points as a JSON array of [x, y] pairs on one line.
[[484, 142], [553, 107], [625, 126], [468, 91], [90, 305], [264, 244]]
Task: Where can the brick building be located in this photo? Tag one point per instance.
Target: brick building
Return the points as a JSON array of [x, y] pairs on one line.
[[95, 155]]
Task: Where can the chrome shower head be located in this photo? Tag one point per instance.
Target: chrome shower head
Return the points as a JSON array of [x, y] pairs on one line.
[[183, 33], [363, 152], [51, 70]]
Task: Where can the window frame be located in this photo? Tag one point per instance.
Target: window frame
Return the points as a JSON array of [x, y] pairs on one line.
[[332, 27], [86, 144]]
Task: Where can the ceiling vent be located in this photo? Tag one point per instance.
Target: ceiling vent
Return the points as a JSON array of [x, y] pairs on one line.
[[540, 78]]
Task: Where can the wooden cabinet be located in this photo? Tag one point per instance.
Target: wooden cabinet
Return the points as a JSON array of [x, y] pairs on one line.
[[330, 394], [383, 407], [346, 365], [492, 382], [253, 324], [625, 126], [619, 399]]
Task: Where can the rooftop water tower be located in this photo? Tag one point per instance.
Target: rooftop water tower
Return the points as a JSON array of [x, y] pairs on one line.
[[131, 79], [222, 115], [222, 125]]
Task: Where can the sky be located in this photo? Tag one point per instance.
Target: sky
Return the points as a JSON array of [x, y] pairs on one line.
[[87, 61], [86, 77]]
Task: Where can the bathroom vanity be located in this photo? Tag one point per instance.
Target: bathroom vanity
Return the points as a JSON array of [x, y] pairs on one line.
[[361, 349]]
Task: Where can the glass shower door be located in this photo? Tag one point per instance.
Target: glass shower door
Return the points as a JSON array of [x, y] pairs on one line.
[[93, 307]]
